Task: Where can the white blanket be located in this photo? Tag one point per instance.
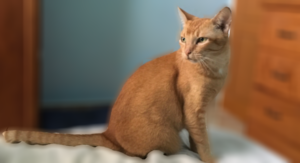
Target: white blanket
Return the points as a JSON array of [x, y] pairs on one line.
[[226, 146]]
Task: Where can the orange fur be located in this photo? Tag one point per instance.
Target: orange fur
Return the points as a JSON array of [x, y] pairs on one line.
[[163, 96]]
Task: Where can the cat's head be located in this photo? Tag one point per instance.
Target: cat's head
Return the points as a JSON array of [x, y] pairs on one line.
[[204, 38]]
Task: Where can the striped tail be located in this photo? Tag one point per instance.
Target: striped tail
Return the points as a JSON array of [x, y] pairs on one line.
[[43, 138]]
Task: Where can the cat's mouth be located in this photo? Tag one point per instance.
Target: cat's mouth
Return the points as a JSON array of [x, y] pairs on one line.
[[192, 59]]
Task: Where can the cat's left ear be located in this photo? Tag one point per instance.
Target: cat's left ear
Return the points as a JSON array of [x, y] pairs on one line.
[[223, 19], [184, 16]]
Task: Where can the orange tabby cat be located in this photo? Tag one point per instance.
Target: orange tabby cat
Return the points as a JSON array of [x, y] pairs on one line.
[[162, 97]]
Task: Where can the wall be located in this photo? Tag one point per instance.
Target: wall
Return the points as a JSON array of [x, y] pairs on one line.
[[89, 48]]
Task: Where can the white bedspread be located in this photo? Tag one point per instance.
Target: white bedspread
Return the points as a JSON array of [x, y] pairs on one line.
[[228, 147]]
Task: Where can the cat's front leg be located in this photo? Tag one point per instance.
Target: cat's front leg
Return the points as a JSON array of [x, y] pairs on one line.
[[195, 124], [192, 144]]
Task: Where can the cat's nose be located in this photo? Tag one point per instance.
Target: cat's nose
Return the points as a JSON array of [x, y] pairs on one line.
[[188, 52]]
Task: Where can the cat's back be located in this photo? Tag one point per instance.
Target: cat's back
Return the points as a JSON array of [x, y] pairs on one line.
[[154, 73], [159, 66], [152, 87]]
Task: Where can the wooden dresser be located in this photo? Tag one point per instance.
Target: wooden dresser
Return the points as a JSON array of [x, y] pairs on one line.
[[263, 88], [19, 63]]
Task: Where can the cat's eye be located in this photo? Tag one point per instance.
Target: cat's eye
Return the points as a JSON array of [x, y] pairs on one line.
[[182, 39], [201, 39]]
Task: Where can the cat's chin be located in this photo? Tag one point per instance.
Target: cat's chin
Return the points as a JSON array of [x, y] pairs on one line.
[[192, 60]]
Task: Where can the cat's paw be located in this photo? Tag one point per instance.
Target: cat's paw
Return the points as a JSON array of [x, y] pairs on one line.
[[212, 160]]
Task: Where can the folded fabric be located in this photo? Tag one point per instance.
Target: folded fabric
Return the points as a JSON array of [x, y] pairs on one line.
[[226, 146]]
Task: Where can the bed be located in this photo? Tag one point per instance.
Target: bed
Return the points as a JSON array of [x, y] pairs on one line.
[[226, 146]]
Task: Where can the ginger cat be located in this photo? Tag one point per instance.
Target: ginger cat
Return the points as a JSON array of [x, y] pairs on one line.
[[162, 97]]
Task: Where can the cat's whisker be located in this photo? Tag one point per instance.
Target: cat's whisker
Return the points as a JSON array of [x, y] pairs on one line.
[[214, 59], [216, 62], [207, 65]]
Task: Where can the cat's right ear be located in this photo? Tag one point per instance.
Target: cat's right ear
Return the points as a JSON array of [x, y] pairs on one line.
[[184, 16], [223, 19]]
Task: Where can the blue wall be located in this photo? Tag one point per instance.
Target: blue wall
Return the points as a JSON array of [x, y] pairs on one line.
[[89, 48]]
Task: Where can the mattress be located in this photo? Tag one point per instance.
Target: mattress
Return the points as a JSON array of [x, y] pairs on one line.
[[227, 147]]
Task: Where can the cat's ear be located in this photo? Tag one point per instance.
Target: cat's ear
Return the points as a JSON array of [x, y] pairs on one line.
[[184, 16], [223, 20]]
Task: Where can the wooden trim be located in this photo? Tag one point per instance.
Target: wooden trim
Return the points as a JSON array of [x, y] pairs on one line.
[[290, 8], [30, 63], [281, 2]]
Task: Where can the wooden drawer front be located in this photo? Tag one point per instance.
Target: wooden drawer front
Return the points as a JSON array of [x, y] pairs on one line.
[[274, 142], [278, 116], [271, 115], [275, 72], [245, 8], [281, 29]]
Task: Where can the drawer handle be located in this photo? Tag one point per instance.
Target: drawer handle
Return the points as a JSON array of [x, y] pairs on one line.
[[273, 114], [287, 35], [283, 77]]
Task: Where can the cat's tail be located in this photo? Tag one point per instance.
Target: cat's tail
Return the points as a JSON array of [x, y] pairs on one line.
[[43, 138]]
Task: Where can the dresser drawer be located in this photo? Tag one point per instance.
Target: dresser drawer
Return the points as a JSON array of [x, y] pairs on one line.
[[271, 113], [275, 72], [284, 147], [277, 115], [281, 30], [245, 8]]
